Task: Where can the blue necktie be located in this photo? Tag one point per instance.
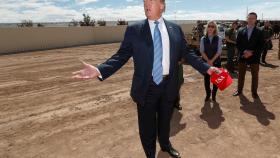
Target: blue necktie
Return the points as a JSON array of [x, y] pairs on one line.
[[157, 66]]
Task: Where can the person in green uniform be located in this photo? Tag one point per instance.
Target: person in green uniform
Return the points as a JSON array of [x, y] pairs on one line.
[[231, 34], [268, 34], [177, 104]]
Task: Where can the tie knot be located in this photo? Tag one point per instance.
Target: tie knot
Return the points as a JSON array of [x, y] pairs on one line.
[[156, 22]]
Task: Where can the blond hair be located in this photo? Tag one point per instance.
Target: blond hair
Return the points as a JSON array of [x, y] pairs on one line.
[[211, 22]]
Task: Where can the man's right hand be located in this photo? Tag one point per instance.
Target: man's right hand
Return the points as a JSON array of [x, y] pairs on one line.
[[247, 54], [89, 72], [210, 62]]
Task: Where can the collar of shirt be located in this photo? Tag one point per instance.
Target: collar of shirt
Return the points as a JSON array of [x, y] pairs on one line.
[[153, 25], [250, 27], [250, 31], [152, 22]]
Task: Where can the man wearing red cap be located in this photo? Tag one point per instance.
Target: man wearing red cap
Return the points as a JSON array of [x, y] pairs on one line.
[[249, 44]]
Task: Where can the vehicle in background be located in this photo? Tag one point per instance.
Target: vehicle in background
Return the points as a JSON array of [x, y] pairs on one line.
[[221, 31]]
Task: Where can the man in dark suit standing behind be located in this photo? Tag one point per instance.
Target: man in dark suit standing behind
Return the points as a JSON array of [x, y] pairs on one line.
[[156, 46], [249, 43]]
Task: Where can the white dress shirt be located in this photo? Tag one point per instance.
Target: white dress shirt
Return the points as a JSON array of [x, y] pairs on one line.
[[165, 43]]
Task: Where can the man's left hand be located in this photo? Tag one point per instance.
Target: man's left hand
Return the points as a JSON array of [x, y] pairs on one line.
[[212, 70]]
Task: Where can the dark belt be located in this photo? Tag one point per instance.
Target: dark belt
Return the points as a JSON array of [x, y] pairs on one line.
[[165, 77]]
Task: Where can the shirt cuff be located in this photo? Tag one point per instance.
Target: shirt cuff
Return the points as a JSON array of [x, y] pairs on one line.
[[209, 71], [100, 76]]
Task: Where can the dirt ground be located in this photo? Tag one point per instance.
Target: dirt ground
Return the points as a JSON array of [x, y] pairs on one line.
[[46, 114]]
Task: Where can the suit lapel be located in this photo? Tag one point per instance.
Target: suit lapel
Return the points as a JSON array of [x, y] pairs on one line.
[[147, 37], [171, 41], [253, 34], [246, 34], [146, 33]]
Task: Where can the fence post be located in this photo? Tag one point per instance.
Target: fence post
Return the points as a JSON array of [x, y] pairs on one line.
[[279, 48]]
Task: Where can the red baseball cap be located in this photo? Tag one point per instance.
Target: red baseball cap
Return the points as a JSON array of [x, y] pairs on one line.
[[222, 80]]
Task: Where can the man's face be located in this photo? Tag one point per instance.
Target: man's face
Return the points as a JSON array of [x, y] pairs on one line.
[[234, 26], [267, 24], [251, 19], [153, 9]]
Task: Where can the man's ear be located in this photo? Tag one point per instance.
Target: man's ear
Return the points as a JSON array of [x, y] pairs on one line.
[[162, 7]]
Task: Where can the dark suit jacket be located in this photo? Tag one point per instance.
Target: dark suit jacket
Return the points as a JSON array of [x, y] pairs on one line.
[[138, 44], [255, 44]]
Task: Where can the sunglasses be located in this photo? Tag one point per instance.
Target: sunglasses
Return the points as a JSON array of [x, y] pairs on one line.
[[211, 26]]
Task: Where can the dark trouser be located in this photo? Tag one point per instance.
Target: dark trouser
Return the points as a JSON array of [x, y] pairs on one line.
[[230, 56], [255, 77], [208, 88], [154, 119], [207, 84], [181, 82], [264, 52], [264, 55]]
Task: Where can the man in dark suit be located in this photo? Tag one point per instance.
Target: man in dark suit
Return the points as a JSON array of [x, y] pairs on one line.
[[249, 44], [156, 46]]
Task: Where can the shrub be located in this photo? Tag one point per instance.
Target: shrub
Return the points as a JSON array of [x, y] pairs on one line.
[[87, 21], [40, 25], [101, 22], [26, 23], [122, 22], [73, 23]]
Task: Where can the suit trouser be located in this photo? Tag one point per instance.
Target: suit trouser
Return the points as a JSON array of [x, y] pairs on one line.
[[181, 82], [154, 119], [230, 56], [255, 76], [264, 53]]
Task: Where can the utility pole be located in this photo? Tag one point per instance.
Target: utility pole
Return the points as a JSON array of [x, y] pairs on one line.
[[175, 13], [247, 12]]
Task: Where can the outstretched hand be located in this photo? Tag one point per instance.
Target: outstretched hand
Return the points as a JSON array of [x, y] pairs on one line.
[[89, 72], [212, 70]]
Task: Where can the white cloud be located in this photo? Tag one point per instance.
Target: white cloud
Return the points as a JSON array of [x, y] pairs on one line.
[[85, 1], [129, 12], [48, 11], [38, 11], [269, 9]]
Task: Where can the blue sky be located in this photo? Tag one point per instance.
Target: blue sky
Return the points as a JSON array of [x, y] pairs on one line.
[[66, 10]]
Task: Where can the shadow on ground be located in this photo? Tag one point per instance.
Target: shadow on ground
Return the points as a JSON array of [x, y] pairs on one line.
[[176, 125], [162, 154], [257, 109], [269, 65], [212, 115]]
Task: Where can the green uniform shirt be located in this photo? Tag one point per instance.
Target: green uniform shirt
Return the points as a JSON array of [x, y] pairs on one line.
[[268, 32], [231, 33]]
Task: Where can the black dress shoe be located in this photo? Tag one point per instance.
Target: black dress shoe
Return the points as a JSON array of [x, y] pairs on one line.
[[237, 93], [172, 152], [178, 107], [264, 62]]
